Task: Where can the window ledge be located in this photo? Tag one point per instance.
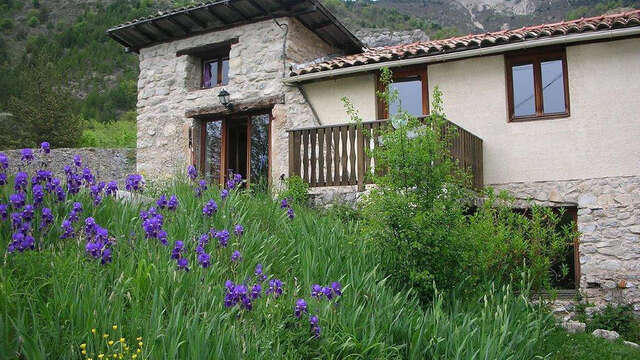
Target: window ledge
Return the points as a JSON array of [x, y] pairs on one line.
[[540, 117]]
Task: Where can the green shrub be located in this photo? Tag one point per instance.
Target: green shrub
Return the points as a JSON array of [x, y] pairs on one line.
[[297, 190], [33, 21], [617, 318], [6, 24], [417, 215]]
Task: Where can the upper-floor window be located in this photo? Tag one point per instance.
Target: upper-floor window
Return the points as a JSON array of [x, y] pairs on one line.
[[215, 72], [537, 85], [412, 89]]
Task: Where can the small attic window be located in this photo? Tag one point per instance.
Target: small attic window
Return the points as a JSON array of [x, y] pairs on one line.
[[215, 72], [209, 64]]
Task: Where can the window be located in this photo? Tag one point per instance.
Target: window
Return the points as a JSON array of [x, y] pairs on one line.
[[537, 86], [411, 85], [215, 72]]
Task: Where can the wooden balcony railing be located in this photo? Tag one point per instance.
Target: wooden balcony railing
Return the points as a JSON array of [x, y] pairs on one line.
[[336, 155]]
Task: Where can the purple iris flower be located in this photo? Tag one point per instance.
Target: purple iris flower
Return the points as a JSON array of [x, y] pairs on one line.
[[192, 172], [162, 236], [260, 276], [38, 195], [204, 259], [238, 230], [77, 160], [275, 288], [202, 186], [224, 193], [106, 256], [162, 202], [290, 213], [88, 177], [4, 161], [112, 188], [47, 218], [17, 200], [77, 207], [60, 194], [327, 292], [27, 213], [3, 179], [300, 308], [256, 291], [21, 242], [223, 237], [315, 328], [67, 230], [177, 250], [21, 181], [134, 182], [210, 208], [183, 264], [236, 256], [237, 294], [337, 288], [316, 291], [27, 155], [4, 212], [89, 225], [16, 220], [172, 204], [284, 204], [45, 147]]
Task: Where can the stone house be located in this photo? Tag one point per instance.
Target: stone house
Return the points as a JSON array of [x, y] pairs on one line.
[[549, 112]]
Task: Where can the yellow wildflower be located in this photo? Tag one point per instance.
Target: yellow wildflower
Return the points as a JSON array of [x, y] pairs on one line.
[[120, 356], [110, 342], [115, 356], [139, 338], [140, 344], [115, 327], [121, 340], [134, 356], [93, 331], [84, 352], [83, 346], [100, 356], [139, 351], [105, 335]]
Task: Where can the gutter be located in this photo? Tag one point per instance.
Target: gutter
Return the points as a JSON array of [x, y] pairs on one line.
[[461, 54]]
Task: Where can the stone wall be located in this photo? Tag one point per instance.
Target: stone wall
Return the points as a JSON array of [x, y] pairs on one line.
[[166, 94], [106, 164], [609, 222]]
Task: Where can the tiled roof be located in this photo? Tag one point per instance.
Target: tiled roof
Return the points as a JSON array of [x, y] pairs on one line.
[[473, 41]]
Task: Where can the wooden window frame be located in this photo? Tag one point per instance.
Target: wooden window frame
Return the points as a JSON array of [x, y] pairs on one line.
[[382, 108], [220, 61], [535, 58], [223, 143]]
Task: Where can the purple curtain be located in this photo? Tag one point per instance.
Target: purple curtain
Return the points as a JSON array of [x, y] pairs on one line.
[[206, 76]]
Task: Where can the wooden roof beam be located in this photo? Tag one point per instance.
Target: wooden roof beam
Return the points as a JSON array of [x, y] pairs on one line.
[[217, 16], [195, 20], [175, 22], [162, 30]]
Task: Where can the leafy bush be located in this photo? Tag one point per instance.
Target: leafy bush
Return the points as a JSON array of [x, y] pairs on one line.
[[33, 21], [297, 190], [417, 215], [618, 318]]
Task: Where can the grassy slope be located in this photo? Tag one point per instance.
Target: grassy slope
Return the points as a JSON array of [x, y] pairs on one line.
[[563, 346], [51, 299]]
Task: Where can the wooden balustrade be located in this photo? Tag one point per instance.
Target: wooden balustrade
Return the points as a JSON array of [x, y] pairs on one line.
[[338, 155]]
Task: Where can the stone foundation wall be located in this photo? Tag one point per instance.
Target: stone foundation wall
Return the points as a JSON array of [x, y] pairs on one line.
[[609, 222], [106, 164]]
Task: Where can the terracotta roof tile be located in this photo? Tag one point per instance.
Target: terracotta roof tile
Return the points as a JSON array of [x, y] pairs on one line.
[[473, 41]]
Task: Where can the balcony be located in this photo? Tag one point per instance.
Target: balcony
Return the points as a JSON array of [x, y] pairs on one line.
[[336, 155]]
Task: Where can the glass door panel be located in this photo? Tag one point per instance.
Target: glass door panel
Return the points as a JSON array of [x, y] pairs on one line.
[[259, 160]]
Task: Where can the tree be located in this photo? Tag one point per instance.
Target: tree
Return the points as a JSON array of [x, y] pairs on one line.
[[40, 108]]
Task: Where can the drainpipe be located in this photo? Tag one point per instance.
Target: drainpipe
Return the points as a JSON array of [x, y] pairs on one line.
[[284, 72]]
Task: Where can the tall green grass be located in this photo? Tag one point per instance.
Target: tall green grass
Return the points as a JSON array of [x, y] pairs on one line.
[[51, 298]]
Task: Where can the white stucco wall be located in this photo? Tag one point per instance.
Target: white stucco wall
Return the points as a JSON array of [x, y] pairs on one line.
[[599, 139], [325, 97]]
